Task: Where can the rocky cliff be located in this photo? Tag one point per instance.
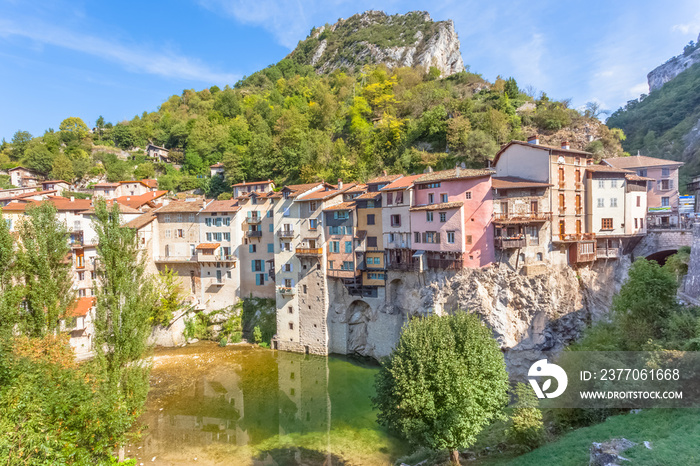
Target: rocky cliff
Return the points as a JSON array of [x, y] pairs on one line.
[[374, 37], [672, 68]]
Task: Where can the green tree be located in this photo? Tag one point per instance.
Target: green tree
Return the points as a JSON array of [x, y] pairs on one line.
[[125, 300], [73, 130], [37, 157], [444, 382], [123, 136], [10, 290], [170, 297], [62, 169], [644, 303], [257, 335], [145, 170], [526, 429], [19, 143], [43, 261]]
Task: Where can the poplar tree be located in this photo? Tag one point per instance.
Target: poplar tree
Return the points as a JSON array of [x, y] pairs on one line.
[[44, 269], [10, 292], [125, 301]]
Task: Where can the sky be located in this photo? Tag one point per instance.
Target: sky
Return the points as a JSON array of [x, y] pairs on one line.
[[118, 59]]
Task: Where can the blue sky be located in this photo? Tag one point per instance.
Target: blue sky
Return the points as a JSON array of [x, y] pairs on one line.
[[118, 59]]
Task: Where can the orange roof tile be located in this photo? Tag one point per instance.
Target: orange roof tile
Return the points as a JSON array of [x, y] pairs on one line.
[[81, 307], [140, 200], [640, 161], [208, 245], [223, 206], [401, 183], [342, 206], [441, 206], [384, 179], [142, 220]]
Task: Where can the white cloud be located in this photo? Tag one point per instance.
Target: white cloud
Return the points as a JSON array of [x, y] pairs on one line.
[[134, 58]]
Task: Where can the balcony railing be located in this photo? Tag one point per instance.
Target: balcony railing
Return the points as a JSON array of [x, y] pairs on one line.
[[253, 220], [404, 266], [607, 253], [334, 273], [575, 237], [523, 217], [253, 234], [309, 251], [285, 233], [445, 264], [175, 259], [510, 242], [286, 290]]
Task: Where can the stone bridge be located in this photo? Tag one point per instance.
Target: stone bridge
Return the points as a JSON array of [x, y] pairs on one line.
[[659, 244]]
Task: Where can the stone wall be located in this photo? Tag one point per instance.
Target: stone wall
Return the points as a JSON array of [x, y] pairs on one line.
[[692, 280], [662, 240]]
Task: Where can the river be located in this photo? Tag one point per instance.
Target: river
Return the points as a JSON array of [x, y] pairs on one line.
[[241, 405]]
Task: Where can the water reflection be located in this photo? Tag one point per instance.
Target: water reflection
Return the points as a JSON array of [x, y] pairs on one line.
[[251, 406]]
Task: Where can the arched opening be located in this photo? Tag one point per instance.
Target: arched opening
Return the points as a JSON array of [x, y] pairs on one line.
[[661, 256], [358, 315], [394, 292]]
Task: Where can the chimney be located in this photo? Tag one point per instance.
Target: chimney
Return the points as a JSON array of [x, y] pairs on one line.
[[457, 170], [384, 172], [534, 139], [72, 198], [340, 183], [428, 170], [565, 145]]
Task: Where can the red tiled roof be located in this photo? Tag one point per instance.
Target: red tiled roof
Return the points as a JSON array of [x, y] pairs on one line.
[[320, 195], [150, 182], [401, 183], [81, 307], [65, 204], [106, 185], [223, 206], [358, 188], [217, 165], [606, 169], [640, 161], [441, 206], [539, 146], [297, 189], [142, 220], [342, 206], [54, 181], [208, 245], [373, 195], [16, 207], [182, 206], [454, 174], [511, 182], [250, 183], [140, 200], [384, 179], [31, 194], [124, 209]]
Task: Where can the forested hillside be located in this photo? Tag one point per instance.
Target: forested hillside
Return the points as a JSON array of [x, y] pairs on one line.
[[289, 124], [666, 123]]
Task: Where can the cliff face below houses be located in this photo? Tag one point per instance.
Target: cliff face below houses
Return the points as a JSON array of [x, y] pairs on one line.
[[672, 68], [373, 37], [531, 316]]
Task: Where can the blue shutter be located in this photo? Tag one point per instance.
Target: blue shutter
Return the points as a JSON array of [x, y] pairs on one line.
[[271, 247], [252, 265], [291, 267], [271, 227]]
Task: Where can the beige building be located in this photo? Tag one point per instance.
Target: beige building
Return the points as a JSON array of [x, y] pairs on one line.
[[256, 251]]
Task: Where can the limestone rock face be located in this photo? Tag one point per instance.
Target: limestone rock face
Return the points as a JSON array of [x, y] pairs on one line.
[[672, 68], [373, 37]]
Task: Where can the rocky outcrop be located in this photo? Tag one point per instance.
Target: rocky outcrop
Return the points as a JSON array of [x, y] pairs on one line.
[[373, 37], [608, 453], [672, 68]]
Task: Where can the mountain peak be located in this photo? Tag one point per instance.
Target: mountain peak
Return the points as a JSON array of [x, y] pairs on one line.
[[373, 37]]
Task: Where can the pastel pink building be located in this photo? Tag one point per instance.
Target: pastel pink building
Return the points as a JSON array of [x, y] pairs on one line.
[[451, 219]]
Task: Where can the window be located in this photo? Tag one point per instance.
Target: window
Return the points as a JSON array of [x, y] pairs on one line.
[[313, 205], [430, 237], [561, 174], [260, 279], [539, 257], [665, 172], [287, 267], [416, 237], [395, 220], [347, 265], [217, 236], [370, 204], [642, 172], [613, 202], [286, 247], [252, 248], [334, 246], [178, 218], [304, 288], [607, 224], [392, 237], [428, 216], [666, 185], [218, 221], [269, 214], [370, 219], [601, 202], [443, 217], [166, 218], [313, 223], [389, 198], [81, 276], [341, 215], [227, 221], [601, 184], [451, 237], [290, 310], [665, 202], [562, 202], [179, 233], [227, 236], [207, 221], [399, 197], [271, 247], [372, 241], [469, 239], [348, 247], [375, 276], [271, 228], [468, 195], [641, 223], [291, 327], [639, 201], [636, 223], [330, 265], [93, 275], [443, 197], [257, 265], [429, 185], [431, 198], [286, 212]]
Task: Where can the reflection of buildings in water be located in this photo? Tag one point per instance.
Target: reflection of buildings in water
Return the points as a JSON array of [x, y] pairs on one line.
[[304, 403]]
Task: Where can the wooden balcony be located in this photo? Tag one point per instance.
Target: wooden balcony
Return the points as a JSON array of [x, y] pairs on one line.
[[335, 273], [309, 252], [570, 238], [522, 217], [253, 220], [253, 234], [505, 242], [174, 259], [445, 264], [286, 290]]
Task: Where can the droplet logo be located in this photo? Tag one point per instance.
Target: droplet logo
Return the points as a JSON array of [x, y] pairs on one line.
[[542, 368]]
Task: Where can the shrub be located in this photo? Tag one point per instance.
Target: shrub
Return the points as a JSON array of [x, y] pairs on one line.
[[223, 342], [257, 334], [526, 430]]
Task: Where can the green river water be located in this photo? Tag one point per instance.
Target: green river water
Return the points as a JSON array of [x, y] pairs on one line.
[[241, 405]]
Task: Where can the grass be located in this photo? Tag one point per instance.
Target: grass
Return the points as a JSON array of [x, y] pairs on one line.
[[673, 433]]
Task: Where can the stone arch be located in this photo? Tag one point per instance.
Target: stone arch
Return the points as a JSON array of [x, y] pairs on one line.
[[393, 296], [357, 316], [661, 256]]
